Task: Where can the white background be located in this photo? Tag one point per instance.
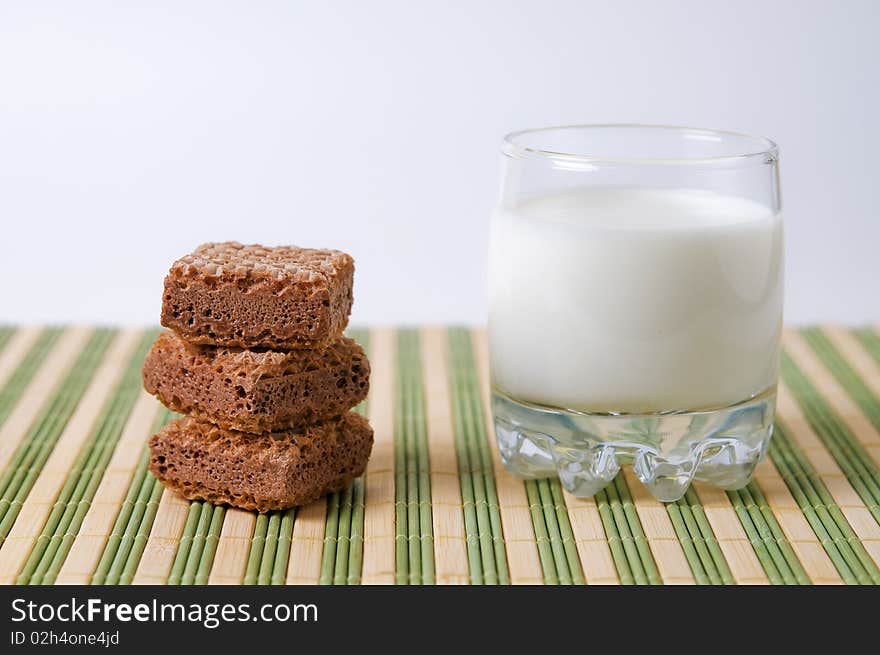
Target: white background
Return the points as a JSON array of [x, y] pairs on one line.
[[129, 134]]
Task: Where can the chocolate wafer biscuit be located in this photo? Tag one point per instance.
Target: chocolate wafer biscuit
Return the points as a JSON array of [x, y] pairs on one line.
[[257, 391], [276, 470], [257, 297]]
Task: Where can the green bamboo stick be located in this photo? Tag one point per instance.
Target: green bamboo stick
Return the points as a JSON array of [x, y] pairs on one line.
[[423, 466], [340, 571], [6, 332], [855, 467], [120, 525], [356, 554], [768, 536], [844, 373], [282, 556], [476, 474], [331, 534], [401, 533], [542, 537], [466, 487], [638, 535], [472, 542], [758, 544], [258, 543], [418, 484], [23, 471], [477, 470], [567, 534], [206, 513], [184, 546], [212, 538], [476, 412], [72, 527], [267, 563], [59, 518], [858, 467], [633, 557], [19, 379], [426, 521], [771, 533], [413, 551], [413, 507], [135, 516], [793, 572], [855, 463], [142, 535], [687, 543], [801, 476], [837, 516], [46, 545], [50, 422], [615, 543], [708, 536], [119, 555], [56, 539], [344, 524], [700, 544], [870, 341], [549, 510], [29, 458], [466, 367], [57, 411], [842, 563], [841, 553]]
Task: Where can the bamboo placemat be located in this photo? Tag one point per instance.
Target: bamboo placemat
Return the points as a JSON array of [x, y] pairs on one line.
[[79, 506]]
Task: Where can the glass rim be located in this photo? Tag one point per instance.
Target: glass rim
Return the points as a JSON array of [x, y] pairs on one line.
[[766, 150]]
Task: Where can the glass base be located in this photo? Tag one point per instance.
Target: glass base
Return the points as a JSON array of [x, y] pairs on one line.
[[667, 451]]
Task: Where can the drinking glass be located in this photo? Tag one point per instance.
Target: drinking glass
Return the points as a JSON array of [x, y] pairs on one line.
[[635, 305]]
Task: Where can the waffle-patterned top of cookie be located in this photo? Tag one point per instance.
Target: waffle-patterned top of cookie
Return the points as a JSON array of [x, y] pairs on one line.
[[231, 260]]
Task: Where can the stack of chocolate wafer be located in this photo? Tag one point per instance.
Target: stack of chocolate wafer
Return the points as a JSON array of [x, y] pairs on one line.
[[257, 362]]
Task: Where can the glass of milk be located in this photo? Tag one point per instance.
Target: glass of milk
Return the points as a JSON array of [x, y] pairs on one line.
[[635, 305]]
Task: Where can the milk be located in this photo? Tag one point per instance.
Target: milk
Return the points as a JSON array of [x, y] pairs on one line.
[[635, 300]]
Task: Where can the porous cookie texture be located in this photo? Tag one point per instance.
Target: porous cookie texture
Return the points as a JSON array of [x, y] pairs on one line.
[[251, 296], [276, 470], [257, 391]]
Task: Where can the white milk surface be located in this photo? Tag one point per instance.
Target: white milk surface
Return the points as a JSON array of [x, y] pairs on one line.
[[635, 300]]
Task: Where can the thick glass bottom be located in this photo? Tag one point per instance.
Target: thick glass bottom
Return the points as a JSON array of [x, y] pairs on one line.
[[667, 451]]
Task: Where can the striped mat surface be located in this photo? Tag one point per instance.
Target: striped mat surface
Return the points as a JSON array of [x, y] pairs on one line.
[[78, 505]]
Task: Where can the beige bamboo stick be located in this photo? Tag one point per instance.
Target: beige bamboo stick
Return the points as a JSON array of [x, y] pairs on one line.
[[591, 541], [516, 519], [16, 349], [233, 547], [40, 389], [158, 556], [41, 499], [88, 546], [792, 417], [665, 546], [450, 541], [379, 493], [307, 543], [833, 393], [797, 530], [745, 567]]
